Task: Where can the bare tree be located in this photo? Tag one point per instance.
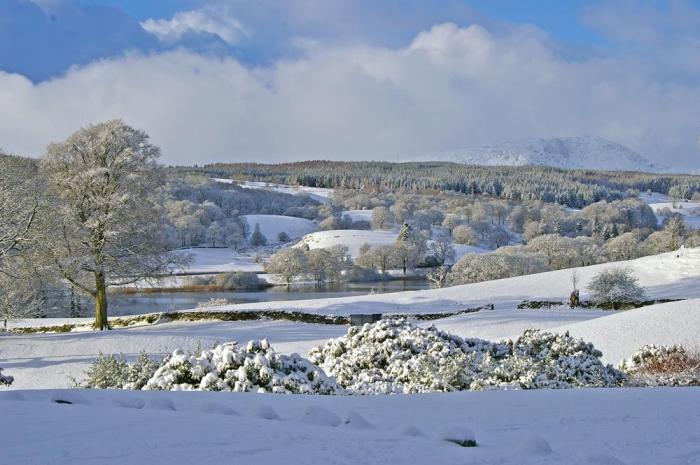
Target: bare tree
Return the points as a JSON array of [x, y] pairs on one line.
[[107, 218], [438, 277]]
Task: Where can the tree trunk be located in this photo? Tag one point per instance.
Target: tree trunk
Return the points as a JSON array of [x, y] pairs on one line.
[[101, 303]]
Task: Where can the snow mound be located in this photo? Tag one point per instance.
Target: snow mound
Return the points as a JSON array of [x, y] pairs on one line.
[[395, 356], [266, 412], [585, 152], [272, 225], [230, 367], [353, 239], [460, 435], [535, 445], [319, 416], [357, 421]]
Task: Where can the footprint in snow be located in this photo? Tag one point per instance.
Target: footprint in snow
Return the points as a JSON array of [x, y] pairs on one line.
[[134, 402], [266, 413], [603, 459], [459, 435], [357, 421], [535, 445], [67, 397], [218, 409], [412, 430], [314, 415], [160, 403]]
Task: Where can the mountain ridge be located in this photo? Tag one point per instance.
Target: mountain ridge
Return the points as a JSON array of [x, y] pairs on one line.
[[577, 152]]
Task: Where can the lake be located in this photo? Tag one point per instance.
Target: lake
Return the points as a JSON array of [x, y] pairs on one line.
[[133, 304]]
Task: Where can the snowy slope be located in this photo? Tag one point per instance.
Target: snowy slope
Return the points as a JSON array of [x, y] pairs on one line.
[[663, 324], [352, 238], [355, 238], [209, 260], [272, 225], [564, 152], [574, 427], [319, 194], [359, 215]]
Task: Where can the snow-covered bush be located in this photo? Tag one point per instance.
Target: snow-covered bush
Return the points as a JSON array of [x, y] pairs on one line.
[[395, 356], [5, 380], [663, 366], [115, 372], [238, 280], [230, 367], [539, 359], [615, 286]]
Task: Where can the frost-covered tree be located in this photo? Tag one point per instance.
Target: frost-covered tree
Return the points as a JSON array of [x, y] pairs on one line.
[[288, 263], [382, 218], [463, 234], [107, 220], [441, 248], [257, 239], [615, 286], [623, 247], [438, 277], [282, 237], [20, 203]]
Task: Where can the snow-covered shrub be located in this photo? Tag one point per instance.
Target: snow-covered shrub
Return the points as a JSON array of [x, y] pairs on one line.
[[540, 359], [115, 372], [230, 367], [615, 286], [663, 366], [238, 280], [395, 356], [5, 380]]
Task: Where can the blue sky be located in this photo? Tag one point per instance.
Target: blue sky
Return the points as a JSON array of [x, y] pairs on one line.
[[352, 79]]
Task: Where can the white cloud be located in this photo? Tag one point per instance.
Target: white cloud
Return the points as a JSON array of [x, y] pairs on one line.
[[450, 87], [218, 20]]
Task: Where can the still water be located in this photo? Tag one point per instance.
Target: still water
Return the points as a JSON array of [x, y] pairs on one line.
[[133, 304]]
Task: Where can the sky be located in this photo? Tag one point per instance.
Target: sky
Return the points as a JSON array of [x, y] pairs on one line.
[[278, 80]]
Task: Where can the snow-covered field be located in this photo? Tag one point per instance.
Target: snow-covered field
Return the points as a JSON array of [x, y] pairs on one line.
[[317, 193], [355, 238], [272, 225], [690, 211], [210, 260], [351, 238], [359, 215], [576, 427], [587, 426]]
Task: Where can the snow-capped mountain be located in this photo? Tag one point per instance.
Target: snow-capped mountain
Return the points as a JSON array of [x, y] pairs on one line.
[[563, 152]]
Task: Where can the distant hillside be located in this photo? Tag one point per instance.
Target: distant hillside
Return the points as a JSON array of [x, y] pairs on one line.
[[583, 152]]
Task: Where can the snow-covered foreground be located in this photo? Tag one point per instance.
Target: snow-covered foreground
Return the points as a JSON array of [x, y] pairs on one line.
[[591, 427]]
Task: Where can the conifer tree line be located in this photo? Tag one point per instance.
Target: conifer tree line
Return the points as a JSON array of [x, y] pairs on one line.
[[574, 188]]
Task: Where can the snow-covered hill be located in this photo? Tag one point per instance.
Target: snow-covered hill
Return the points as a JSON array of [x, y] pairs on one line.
[[272, 225], [563, 152]]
